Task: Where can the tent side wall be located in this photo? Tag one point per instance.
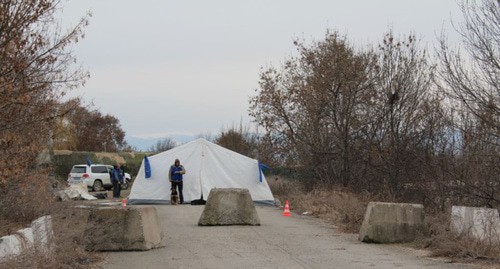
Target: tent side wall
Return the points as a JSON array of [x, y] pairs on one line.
[[228, 169], [149, 190]]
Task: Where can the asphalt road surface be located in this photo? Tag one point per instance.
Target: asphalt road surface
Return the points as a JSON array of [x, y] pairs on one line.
[[280, 242]]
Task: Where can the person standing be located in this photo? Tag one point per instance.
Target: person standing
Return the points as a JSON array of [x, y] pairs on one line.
[[175, 177], [116, 179]]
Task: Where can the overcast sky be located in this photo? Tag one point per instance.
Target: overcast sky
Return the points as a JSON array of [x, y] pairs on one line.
[[189, 67]]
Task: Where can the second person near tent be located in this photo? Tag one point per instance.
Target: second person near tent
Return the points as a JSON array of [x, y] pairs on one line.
[[175, 177]]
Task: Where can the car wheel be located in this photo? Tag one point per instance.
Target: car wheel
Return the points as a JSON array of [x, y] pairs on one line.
[[97, 185], [125, 184]]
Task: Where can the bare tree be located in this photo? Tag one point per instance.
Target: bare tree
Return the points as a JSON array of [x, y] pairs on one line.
[[472, 77], [239, 139], [36, 68], [86, 129], [311, 109], [365, 119], [400, 111], [163, 145], [378, 120]]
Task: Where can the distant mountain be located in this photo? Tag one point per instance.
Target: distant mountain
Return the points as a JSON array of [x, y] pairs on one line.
[[143, 144]]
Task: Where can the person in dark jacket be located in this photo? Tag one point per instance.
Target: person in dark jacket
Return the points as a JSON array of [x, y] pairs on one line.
[[116, 179], [175, 177]]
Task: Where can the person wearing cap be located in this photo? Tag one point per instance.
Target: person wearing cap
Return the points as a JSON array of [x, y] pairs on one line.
[[175, 177]]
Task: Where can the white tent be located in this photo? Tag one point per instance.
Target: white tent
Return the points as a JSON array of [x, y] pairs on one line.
[[207, 166]]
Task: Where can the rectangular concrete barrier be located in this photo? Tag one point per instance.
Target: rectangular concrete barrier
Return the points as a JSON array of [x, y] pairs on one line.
[[36, 237], [480, 223], [392, 223], [115, 228]]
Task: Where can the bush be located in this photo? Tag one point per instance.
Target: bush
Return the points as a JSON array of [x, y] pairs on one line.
[[343, 208], [445, 243], [26, 198]]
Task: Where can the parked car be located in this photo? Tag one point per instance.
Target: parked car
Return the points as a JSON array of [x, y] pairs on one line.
[[96, 176]]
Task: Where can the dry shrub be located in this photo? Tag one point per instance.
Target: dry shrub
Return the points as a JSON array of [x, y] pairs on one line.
[[445, 243], [7, 227], [283, 188], [341, 207], [24, 199], [31, 197], [67, 248]]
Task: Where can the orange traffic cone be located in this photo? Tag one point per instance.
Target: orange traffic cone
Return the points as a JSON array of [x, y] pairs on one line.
[[124, 202], [286, 212]]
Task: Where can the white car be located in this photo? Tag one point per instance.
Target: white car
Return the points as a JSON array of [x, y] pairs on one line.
[[96, 176]]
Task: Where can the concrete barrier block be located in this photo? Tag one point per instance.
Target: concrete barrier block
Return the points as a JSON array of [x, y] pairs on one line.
[[123, 228], [480, 223], [392, 223], [10, 245], [42, 233], [38, 236], [16, 244], [229, 206]]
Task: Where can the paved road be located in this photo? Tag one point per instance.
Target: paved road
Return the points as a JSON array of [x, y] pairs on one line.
[[280, 242]]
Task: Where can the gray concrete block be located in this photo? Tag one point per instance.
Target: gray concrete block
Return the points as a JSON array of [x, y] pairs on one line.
[[123, 228], [480, 223], [37, 236], [10, 245], [392, 223], [229, 206], [43, 234]]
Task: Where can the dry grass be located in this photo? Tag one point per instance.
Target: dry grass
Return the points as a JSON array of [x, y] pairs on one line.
[[343, 208], [8, 227], [25, 200], [445, 243]]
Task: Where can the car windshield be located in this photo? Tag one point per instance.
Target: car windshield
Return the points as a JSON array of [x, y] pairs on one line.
[[78, 169]]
